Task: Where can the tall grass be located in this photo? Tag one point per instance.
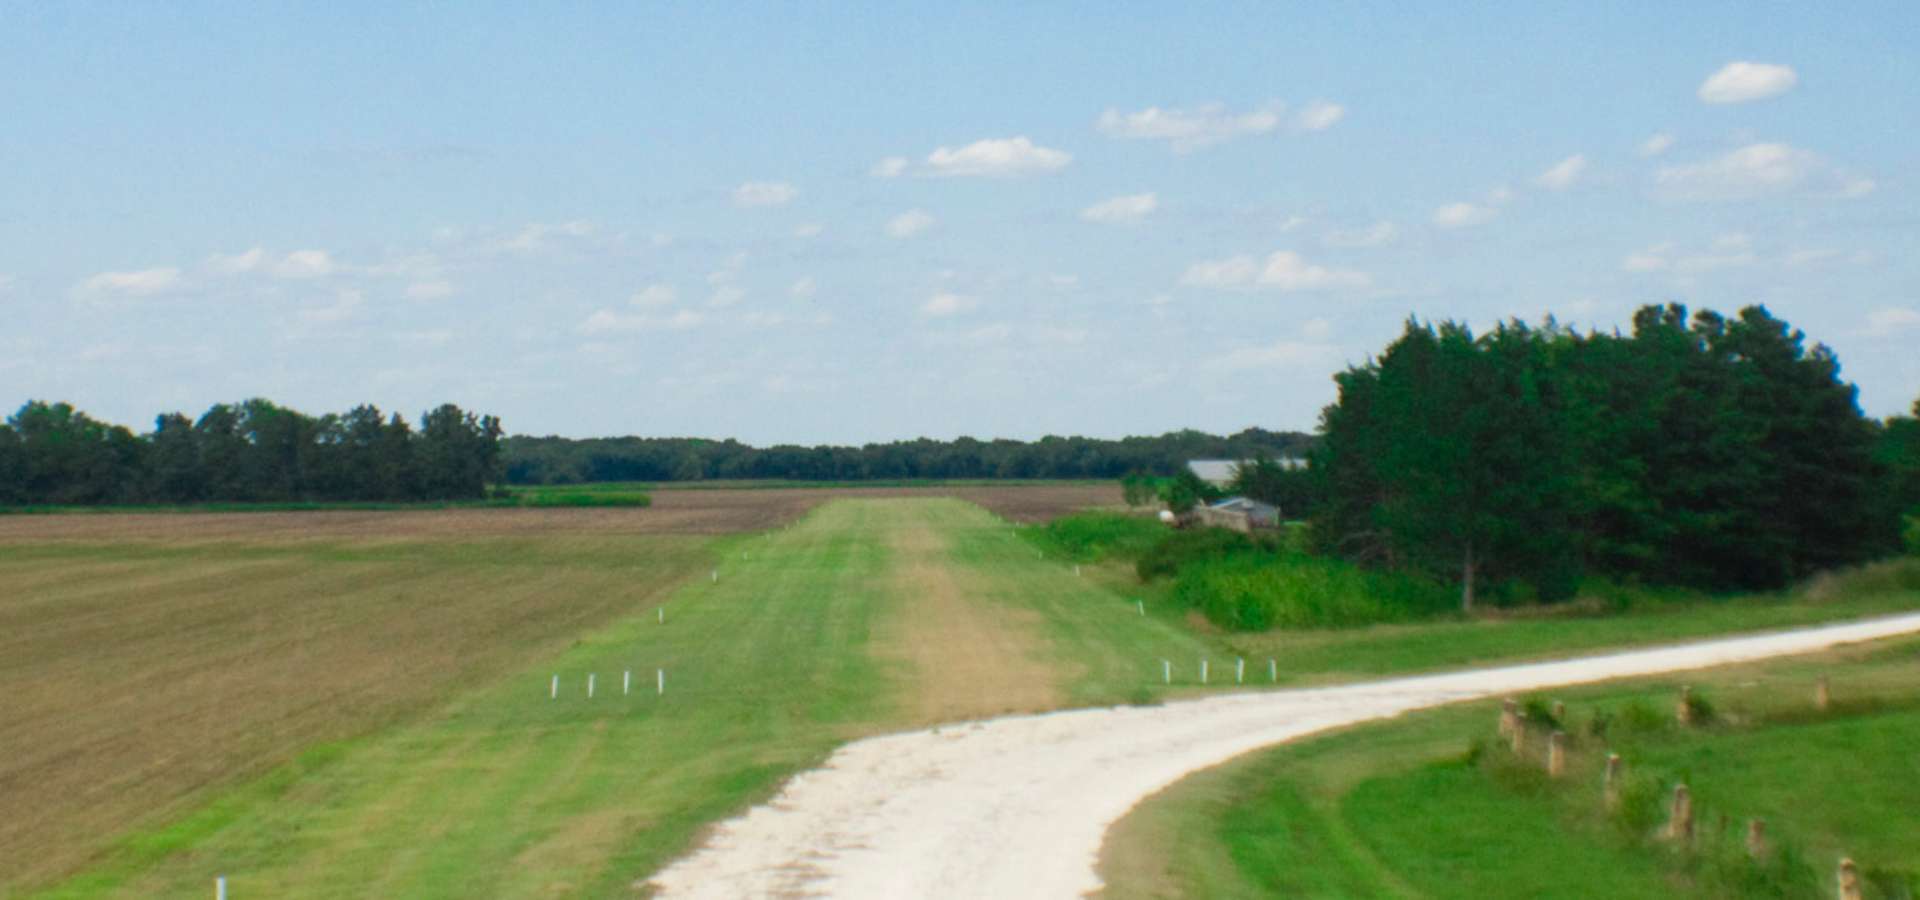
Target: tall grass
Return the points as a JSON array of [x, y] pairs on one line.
[[1095, 536], [1258, 591]]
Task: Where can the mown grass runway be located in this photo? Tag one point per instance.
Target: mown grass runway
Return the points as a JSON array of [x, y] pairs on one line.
[[790, 652]]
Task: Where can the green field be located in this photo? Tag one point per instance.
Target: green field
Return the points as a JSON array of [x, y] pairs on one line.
[[865, 616], [806, 639], [1412, 808]]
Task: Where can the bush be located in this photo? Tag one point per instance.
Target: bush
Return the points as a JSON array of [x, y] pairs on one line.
[[1165, 558], [1910, 535], [583, 498], [1093, 536], [1255, 592]]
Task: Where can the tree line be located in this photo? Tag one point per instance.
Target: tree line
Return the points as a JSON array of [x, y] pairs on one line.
[[557, 460], [255, 451], [1697, 450]]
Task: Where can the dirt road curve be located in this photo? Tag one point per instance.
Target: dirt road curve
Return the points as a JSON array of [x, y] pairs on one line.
[[1018, 807]]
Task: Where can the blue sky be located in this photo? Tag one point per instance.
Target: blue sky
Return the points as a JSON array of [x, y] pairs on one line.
[[865, 223]]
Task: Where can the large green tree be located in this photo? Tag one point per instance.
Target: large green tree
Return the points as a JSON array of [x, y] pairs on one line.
[[1703, 450]]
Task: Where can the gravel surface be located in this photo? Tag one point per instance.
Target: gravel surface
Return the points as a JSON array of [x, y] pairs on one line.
[[1018, 807]]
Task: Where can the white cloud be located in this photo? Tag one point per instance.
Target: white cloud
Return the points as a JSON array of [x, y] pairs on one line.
[[297, 264], [726, 295], [654, 296], [1824, 256], [1232, 272], [1462, 215], [803, 287], [1375, 235], [1316, 329], [946, 304], [1652, 259], [891, 167], [808, 230], [764, 193], [996, 157], [434, 337], [608, 321], [345, 305], [1320, 116], [1656, 145], [429, 290], [1128, 209], [1740, 82], [1758, 170], [539, 235], [137, 283], [909, 223], [1193, 128], [304, 264], [1277, 355], [1891, 319], [237, 263], [1563, 173], [1284, 271], [1727, 251]]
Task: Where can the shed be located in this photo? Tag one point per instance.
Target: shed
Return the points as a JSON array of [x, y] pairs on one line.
[[1240, 514]]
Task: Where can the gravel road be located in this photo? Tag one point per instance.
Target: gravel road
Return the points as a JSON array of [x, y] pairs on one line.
[[1018, 807]]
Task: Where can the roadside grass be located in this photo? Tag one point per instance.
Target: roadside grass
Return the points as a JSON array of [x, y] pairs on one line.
[[510, 793], [1434, 804]]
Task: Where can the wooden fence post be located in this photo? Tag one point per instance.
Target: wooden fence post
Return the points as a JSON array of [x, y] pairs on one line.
[[1610, 788], [1509, 716], [1849, 881], [1680, 821], [1683, 709], [1519, 733], [1557, 754], [1756, 838], [1822, 695], [1560, 712]]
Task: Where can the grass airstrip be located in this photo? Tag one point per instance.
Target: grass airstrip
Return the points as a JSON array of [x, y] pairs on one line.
[[363, 703]]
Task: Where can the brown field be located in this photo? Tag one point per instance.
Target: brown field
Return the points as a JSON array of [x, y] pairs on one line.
[[147, 660], [681, 512]]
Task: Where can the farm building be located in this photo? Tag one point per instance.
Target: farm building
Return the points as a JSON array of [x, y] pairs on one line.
[[1239, 514], [1221, 472]]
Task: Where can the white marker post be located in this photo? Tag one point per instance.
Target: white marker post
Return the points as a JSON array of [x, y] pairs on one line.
[[1166, 670], [554, 693], [716, 576], [1203, 671], [1143, 606], [589, 687], [1273, 671], [220, 888], [626, 683], [1076, 570], [660, 681], [663, 615], [1239, 671]]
